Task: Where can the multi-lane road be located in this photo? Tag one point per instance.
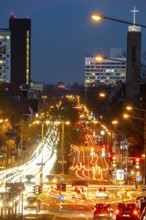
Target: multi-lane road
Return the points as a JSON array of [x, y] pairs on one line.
[[57, 204]]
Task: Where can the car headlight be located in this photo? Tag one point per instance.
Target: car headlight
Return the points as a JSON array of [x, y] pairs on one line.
[[11, 204], [32, 180], [54, 181], [35, 204], [46, 180]]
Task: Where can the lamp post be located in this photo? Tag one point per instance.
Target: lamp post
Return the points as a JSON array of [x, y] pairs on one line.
[[133, 41], [98, 17], [63, 123], [144, 134], [101, 58], [42, 122], [123, 146]]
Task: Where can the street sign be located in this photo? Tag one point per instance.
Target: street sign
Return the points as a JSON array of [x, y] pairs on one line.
[[60, 161], [61, 198], [139, 178], [40, 164]]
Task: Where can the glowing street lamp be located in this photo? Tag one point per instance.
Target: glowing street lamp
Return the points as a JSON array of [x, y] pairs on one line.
[[99, 17], [42, 122], [102, 94], [100, 58]]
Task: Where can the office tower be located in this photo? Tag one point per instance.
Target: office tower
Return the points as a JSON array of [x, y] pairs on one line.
[[108, 71], [5, 48], [20, 50]]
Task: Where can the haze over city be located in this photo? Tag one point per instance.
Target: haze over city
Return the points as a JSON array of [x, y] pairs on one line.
[[62, 33]]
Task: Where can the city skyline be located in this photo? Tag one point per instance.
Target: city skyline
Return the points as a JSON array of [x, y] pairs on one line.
[[63, 33]]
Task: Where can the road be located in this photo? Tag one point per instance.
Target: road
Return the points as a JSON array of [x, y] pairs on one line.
[[51, 205]]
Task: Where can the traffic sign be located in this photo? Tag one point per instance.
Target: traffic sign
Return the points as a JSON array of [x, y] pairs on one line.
[[139, 178], [61, 198]]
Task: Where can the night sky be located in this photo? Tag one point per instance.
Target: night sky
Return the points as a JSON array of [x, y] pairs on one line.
[[63, 33]]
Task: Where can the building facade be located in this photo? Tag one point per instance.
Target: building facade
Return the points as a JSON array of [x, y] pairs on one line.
[[108, 71], [5, 55], [20, 30]]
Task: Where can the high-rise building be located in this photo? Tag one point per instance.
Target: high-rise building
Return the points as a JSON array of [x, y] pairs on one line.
[[107, 71], [20, 50], [5, 56]]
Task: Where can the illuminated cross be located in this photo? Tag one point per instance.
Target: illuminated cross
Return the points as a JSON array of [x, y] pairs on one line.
[[134, 12]]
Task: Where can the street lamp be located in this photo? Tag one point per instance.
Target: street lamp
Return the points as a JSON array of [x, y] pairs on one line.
[[63, 123], [98, 17], [101, 58], [144, 133], [42, 122], [133, 58]]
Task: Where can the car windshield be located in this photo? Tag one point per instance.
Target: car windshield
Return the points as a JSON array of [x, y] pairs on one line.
[[102, 206], [126, 207], [31, 199], [102, 189], [29, 176]]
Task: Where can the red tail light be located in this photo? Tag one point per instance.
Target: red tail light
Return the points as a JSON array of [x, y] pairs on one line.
[[135, 212]]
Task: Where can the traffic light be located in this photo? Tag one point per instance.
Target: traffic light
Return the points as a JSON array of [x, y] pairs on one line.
[[103, 152], [137, 160], [114, 161], [40, 189], [33, 189], [37, 189]]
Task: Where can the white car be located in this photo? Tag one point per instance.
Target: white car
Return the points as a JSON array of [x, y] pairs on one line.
[[102, 192]]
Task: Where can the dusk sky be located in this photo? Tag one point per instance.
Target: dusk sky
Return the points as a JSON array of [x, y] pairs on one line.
[[63, 33]]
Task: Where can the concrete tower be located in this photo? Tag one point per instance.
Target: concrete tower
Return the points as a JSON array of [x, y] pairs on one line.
[[133, 60]]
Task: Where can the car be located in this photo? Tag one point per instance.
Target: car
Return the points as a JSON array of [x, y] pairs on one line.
[[30, 202], [139, 199], [127, 211], [79, 192], [143, 214], [17, 187], [102, 192], [103, 211], [29, 179], [142, 206], [50, 179]]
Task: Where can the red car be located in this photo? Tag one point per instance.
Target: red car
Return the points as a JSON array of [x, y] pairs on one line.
[[128, 211], [102, 192], [103, 211], [78, 192]]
